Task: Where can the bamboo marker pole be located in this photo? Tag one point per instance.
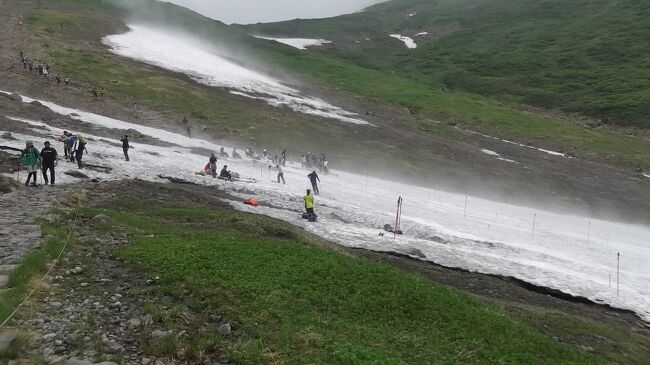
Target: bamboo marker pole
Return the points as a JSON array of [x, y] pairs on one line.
[[465, 211], [532, 234], [589, 232], [618, 272]]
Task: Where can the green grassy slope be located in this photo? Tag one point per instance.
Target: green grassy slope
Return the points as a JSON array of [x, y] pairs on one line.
[[296, 302], [583, 56]]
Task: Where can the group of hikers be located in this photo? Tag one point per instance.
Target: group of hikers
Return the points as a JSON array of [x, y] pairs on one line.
[[42, 70], [265, 155], [32, 160], [211, 168], [313, 161]]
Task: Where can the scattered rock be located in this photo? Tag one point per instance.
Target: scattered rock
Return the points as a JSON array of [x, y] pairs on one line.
[[161, 334], [8, 136], [133, 323], [225, 329], [101, 218], [7, 339], [76, 174]]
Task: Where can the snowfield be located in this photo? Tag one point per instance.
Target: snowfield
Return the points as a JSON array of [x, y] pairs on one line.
[[205, 65], [300, 43], [408, 41], [574, 254]]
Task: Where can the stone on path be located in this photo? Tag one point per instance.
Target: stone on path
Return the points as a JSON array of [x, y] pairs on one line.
[[7, 339], [4, 281], [7, 269], [77, 174]]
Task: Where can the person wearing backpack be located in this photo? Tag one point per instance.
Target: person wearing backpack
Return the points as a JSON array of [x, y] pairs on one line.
[[29, 159], [79, 148]]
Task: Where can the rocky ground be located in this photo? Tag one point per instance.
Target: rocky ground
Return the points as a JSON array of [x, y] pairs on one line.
[[92, 308]]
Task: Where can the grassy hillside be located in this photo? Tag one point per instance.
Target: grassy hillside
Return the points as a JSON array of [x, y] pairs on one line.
[[584, 56], [296, 302]]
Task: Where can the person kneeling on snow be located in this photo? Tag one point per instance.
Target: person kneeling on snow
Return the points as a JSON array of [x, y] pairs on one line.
[[309, 206], [225, 174]]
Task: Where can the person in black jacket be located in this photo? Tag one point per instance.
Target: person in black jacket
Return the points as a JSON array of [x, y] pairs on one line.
[[125, 146], [213, 165], [48, 161], [313, 177]]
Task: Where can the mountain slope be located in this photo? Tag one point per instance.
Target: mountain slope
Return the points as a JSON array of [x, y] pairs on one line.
[[578, 55]]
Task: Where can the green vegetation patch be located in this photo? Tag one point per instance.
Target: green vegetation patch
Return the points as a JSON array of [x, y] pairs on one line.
[[293, 301]]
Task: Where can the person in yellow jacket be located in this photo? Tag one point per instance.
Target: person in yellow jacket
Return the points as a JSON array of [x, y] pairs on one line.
[[309, 206]]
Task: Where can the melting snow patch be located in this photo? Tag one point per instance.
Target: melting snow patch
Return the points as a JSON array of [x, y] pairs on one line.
[[488, 237], [408, 41], [200, 62], [646, 175], [412, 15], [492, 153], [422, 33], [300, 43]]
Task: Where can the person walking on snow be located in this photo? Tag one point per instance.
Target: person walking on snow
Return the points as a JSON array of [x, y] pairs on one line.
[[64, 139], [284, 157], [309, 206], [213, 165], [71, 142], [313, 177], [29, 159], [125, 146], [48, 162], [79, 148], [280, 173]]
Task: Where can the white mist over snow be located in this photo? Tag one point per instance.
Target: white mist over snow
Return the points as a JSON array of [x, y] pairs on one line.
[[183, 54], [576, 255], [300, 43], [408, 41]]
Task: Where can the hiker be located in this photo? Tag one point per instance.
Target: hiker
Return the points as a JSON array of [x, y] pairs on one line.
[[222, 152], [79, 147], [125, 146], [225, 174], [72, 139], [265, 154], [213, 165], [309, 206], [326, 168], [204, 128], [313, 177], [189, 132], [235, 154], [94, 91], [48, 161], [66, 80], [29, 159], [64, 139], [280, 173], [284, 157]]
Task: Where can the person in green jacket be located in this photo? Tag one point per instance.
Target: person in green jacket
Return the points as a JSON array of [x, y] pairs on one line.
[[30, 159]]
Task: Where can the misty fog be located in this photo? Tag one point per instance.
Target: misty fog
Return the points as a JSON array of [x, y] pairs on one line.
[[264, 11]]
